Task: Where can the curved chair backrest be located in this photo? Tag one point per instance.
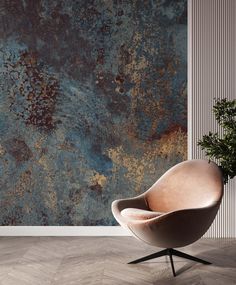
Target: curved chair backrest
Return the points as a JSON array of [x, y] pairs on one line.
[[189, 184]]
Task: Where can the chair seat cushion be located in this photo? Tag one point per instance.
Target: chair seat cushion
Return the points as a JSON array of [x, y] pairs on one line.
[[139, 214]]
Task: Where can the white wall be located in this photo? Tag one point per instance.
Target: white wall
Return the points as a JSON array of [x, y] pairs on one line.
[[62, 231], [211, 74]]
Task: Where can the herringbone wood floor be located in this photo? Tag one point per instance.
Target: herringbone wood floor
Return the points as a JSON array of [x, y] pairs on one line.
[[103, 260]]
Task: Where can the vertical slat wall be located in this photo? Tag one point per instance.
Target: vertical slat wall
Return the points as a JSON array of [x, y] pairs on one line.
[[211, 74]]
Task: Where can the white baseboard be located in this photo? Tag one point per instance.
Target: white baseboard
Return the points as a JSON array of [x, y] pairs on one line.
[[63, 231]]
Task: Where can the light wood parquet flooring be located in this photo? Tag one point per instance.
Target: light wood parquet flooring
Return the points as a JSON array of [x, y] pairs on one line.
[[103, 261]]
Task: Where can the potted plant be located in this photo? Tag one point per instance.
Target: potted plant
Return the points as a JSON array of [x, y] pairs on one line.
[[222, 147]]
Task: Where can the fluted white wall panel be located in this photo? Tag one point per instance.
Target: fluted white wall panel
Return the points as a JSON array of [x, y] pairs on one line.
[[211, 74]]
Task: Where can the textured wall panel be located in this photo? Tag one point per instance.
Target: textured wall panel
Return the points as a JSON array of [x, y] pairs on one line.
[[211, 74], [93, 105]]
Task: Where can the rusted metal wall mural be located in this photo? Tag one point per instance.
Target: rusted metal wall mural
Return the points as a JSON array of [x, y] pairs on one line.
[[93, 105]]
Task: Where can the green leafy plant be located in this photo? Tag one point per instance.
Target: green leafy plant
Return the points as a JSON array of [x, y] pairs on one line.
[[222, 147]]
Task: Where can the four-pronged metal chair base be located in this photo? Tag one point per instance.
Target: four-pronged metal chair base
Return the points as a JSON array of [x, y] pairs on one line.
[[170, 252]]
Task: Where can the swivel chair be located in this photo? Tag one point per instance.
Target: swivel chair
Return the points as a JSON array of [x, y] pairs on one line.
[[176, 211]]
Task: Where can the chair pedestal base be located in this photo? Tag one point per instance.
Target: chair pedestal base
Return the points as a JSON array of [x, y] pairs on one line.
[[170, 252]]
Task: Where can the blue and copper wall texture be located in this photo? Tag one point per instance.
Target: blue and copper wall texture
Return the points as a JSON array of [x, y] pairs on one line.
[[92, 105]]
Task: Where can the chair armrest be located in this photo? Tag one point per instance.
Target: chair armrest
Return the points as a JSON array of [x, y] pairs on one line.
[[117, 206]]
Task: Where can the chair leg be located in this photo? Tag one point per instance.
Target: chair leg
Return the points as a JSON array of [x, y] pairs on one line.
[[151, 256], [169, 251], [187, 256]]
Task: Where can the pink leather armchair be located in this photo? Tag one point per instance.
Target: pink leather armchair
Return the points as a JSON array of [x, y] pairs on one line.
[[176, 211]]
